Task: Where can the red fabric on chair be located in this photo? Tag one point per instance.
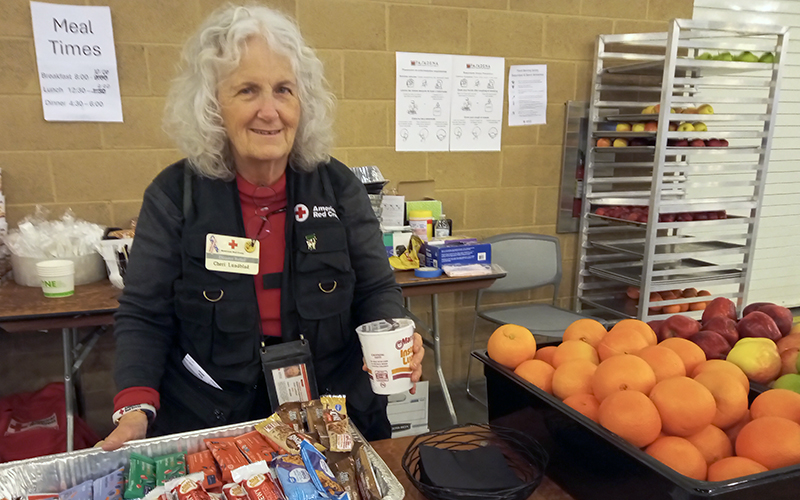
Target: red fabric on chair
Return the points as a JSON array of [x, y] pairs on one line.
[[34, 424]]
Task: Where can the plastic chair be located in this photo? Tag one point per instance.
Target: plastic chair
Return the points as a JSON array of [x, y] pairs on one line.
[[530, 261]]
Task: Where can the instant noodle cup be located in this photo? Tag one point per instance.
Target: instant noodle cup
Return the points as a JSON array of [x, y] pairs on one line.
[[388, 347]]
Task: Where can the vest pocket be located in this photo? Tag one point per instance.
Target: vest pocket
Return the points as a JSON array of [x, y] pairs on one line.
[[234, 335], [322, 248], [324, 294]]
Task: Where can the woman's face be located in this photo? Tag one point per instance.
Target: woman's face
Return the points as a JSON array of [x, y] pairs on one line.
[[260, 107]]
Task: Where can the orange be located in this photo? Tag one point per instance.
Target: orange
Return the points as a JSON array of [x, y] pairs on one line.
[[690, 353], [726, 366], [620, 341], [777, 403], [679, 454], [773, 442], [733, 431], [588, 330], [622, 373], [685, 405], [733, 467], [632, 416], [573, 377], [538, 373], [639, 327], [586, 404], [570, 350], [510, 345], [729, 395], [713, 443], [664, 362], [546, 354]]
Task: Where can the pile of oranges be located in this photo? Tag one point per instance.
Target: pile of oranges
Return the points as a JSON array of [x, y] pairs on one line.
[[689, 413]]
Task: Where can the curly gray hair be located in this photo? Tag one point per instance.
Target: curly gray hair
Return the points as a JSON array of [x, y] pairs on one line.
[[192, 114]]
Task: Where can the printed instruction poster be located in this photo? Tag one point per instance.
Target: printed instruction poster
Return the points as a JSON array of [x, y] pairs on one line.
[[448, 103], [77, 63], [527, 95]]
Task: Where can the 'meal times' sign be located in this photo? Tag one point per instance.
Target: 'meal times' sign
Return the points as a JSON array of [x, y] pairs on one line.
[[77, 63]]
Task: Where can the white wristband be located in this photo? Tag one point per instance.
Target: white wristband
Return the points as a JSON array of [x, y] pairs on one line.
[[148, 410]]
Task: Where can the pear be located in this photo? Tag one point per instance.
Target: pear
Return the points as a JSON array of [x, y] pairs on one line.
[[723, 56], [767, 57], [685, 127], [705, 109], [700, 127], [747, 56], [706, 56]]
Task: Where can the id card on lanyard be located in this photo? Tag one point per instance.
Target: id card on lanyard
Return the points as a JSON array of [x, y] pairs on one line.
[[289, 372]]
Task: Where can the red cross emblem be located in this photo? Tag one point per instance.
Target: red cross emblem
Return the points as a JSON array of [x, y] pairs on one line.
[[233, 244], [300, 212]]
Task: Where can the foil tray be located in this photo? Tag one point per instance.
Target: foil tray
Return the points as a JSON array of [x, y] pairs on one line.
[[55, 473]]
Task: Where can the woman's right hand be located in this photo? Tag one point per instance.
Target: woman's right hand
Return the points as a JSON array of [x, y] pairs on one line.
[[131, 426]]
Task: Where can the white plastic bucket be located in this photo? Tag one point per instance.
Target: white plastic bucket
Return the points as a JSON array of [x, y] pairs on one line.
[[388, 349], [57, 277]]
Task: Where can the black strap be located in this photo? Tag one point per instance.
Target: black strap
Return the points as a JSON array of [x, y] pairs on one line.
[[187, 190], [272, 280]]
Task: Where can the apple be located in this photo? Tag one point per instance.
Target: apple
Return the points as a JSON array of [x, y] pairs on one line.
[[623, 127], [689, 111], [620, 143], [758, 324], [782, 317], [650, 126], [682, 143], [603, 142], [720, 306], [685, 217], [724, 326], [679, 326], [673, 126], [637, 127], [705, 56], [755, 306], [649, 110], [712, 343], [767, 57], [724, 142], [790, 341], [655, 324], [714, 143], [698, 143], [638, 141], [723, 56], [747, 56], [685, 127], [758, 358], [705, 109], [789, 360], [700, 216], [700, 127]]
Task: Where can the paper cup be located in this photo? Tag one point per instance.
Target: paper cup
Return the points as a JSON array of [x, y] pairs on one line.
[[57, 277], [388, 348]]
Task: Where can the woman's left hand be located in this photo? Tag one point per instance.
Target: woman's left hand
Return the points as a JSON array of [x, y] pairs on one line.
[[418, 350]]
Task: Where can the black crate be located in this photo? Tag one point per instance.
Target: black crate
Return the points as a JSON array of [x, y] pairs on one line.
[[592, 463]]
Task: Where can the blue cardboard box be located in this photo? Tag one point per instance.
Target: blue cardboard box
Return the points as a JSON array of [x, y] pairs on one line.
[[457, 254]]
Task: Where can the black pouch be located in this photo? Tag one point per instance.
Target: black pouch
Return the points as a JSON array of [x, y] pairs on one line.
[[289, 372]]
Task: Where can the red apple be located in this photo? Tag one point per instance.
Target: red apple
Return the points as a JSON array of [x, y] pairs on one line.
[[755, 306], [651, 126], [679, 326], [724, 142], [697, 143], [685, 217], [789, 341], [724, 326], [655, 324], [673, 126], [681, 143], [720, 306], [789, 360], [712, 343], [603, 142], [781, 315], [758, 324], [700, 216], [714, 143]]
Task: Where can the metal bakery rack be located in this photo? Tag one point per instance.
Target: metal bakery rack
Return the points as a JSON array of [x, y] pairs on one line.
[[697, 207]]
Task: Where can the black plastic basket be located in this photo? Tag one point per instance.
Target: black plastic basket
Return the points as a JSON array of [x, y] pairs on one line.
[[524, 455]]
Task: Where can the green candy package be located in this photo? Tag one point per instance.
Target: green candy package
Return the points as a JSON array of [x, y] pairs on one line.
[[141, 476], [169, 467]]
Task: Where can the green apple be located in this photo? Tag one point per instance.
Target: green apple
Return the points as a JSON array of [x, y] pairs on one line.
[[790, 381], [700, 127], [705, 56], [685, 127], [747, 56], [723, 56], [767, 57]]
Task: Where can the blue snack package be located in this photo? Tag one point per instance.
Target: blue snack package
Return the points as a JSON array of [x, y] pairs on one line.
[[82, 491], [294, 478], [321, 475], [109, 487]]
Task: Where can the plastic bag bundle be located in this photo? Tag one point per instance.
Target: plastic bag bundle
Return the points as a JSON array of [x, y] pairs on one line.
[[52, 239]]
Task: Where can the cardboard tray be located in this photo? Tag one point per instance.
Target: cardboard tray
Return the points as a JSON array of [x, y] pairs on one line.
[[55, 473], [592, 463]]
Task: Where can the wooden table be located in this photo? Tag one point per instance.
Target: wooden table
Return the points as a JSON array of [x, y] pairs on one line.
[[391, 451], [24, 309], [413, 286]]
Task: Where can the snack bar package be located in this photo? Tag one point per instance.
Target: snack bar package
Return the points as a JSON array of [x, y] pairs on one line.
[[292, 415], [82, 491], [203, 461], [233, 491], [141, 476], [344, 470], [227, 455], [336, 423], [316, 421], [188, 487], [255, 448], [294, 478], [159, 493], [321, 475], [367, 484], [41, 496], [110, 486], [169, 467], [257, 481], [283, 435]]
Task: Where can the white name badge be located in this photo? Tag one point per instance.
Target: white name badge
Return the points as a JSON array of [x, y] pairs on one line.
[[230, 254]]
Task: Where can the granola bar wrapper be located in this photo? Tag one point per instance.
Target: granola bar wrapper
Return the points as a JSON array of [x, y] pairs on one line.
[[110, 486], [204, 462], [291, 414], [188, 487], [315, 420], [255, 448], [234, 491], [141, 476], [283, 435], [367, 485], [257, 481], [336, 423], [227, 455], [169, 467], [344, 470]]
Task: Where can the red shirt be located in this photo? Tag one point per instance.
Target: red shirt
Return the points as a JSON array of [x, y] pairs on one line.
[[272, 244]]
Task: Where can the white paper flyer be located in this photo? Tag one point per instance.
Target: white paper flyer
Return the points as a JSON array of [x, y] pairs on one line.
[[476, 117], [527, 95]]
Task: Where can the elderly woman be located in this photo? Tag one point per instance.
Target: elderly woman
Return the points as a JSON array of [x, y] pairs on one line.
[[253, 116]]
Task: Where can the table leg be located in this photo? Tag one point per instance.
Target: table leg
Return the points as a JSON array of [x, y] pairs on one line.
[[66, 338], [437, 354]]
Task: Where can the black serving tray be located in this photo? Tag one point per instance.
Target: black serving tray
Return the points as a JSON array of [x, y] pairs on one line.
[[592, 463]]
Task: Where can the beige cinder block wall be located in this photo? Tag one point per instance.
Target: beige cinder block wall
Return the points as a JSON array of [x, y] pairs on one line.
[[101, 169]]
